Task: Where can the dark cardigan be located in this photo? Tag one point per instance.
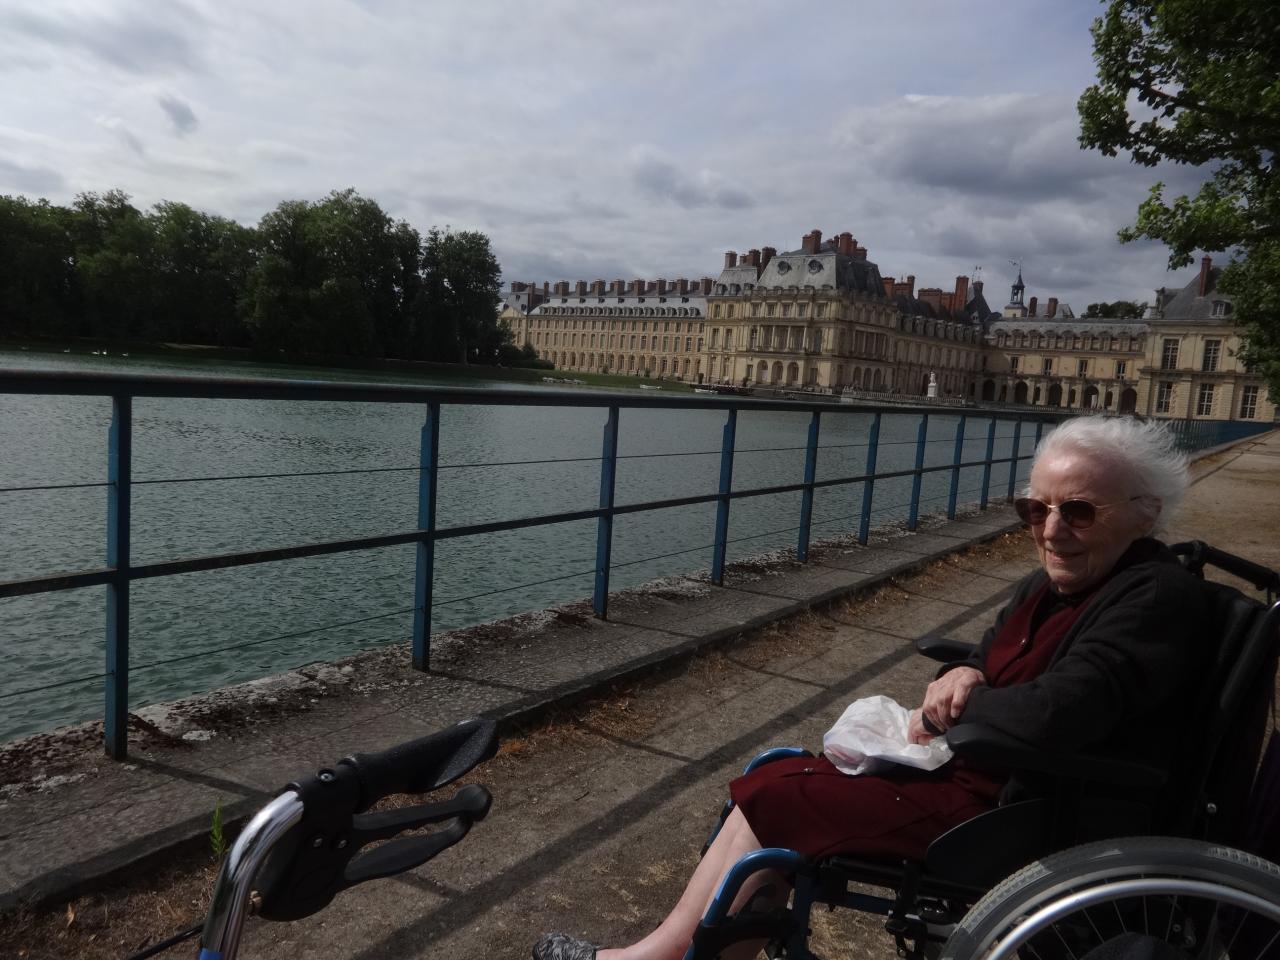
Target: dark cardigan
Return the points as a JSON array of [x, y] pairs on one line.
[[1119, 680]]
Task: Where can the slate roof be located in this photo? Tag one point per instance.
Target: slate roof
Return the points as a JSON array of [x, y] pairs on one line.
[[1188, 305], [826, 268], [1059, 325]]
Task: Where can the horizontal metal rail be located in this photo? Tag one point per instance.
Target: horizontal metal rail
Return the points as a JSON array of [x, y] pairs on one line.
[[120, 571]]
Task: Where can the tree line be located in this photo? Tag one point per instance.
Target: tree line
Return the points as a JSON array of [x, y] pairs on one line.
[[336, 277]]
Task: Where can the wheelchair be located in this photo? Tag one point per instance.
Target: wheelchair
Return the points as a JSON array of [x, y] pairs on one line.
[[1078, 872]]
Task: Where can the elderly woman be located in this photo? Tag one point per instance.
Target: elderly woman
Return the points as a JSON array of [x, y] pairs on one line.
[[1092, 652]]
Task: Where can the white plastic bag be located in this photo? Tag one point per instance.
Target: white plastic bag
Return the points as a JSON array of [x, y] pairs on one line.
[[871, 734]]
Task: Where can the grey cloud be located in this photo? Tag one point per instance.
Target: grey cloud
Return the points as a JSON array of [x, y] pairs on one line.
[[180, 114], [35, 181], [133, 40], [662, 179], [126, 136]]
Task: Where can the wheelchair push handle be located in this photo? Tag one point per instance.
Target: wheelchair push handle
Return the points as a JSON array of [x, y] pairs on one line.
[[307, 845], [1196, 555], [423, 765]]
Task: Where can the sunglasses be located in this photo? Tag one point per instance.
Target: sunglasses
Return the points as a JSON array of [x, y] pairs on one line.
[[1077, 514]]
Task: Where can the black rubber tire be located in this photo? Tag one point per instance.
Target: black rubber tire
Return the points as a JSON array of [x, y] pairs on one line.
[[1091, 865]]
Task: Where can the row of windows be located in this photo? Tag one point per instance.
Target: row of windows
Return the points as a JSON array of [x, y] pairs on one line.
[[1206, 394], [614, 340], [1062, 341], [680, 367], [621, 311], [1082, 366], [1210, 357], [668, 326]]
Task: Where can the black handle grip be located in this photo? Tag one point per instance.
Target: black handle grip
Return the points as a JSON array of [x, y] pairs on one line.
[[1198, 554], [1261, 577], [421, 766], [472, 803]]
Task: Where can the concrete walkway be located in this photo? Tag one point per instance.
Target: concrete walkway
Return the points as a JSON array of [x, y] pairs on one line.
[[596, 821], [73, 817]]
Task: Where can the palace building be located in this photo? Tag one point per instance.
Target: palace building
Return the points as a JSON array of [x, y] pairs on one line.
[[821, 318], [646, 327]]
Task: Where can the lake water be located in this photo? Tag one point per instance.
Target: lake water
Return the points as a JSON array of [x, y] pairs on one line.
[[60, 440]]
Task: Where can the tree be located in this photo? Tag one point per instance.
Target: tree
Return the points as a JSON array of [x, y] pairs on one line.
[[1198, 82], [1120, 310], [461, 286], [334, 278], [39, 289]]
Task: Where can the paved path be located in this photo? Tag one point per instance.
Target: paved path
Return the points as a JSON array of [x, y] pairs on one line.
[[72, 817], [597, 819]]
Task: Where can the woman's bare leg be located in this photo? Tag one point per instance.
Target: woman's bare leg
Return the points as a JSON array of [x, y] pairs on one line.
[[671, 938]]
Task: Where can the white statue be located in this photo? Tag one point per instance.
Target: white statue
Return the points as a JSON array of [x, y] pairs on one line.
[[933, 385]]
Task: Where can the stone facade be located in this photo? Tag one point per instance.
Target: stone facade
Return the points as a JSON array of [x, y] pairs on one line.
[[1191, 368], [821, 318], [645, 328]]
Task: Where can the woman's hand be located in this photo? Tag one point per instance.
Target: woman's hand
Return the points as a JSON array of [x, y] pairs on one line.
[[916, 733], [945, 698]]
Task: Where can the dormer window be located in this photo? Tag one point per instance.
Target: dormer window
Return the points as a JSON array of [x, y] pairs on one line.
[[1221, 308]]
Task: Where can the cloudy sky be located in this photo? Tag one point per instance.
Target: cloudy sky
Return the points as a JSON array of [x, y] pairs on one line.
[[599, 139]]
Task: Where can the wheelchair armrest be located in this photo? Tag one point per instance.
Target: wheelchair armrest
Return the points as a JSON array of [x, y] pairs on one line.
[[776, 753], [944, 650], [977, 741]]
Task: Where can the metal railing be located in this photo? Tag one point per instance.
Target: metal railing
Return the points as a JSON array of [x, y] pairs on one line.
[[120, 571], [1203, 434]]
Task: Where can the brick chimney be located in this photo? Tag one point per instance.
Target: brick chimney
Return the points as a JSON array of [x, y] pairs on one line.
[[517, 286], [1032, 306], [682, 287], [546, 288], [582, 288], [662, 287], [859, 253], [1052, 310], [911, 284], [846, 243], [1206, 264], [730, 259], [597, 287], [812, 241], [933, 297], [888, 286], [766, 254], [641, 287], [706, 283], [961, 295], [977, 288], [753, 258]]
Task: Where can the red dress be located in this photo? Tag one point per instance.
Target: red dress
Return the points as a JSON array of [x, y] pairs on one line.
[[806, 804]]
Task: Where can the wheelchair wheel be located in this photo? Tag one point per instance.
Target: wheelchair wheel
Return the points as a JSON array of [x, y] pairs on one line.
[[1142, 898]]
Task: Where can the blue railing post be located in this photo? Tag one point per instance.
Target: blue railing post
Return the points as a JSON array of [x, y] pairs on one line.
[[1013, 458], [424, 572], [722, 505], [957, 457], [119, 470], [922, 433], [868, 485], [806, 497], [604, 525], [986, 466]]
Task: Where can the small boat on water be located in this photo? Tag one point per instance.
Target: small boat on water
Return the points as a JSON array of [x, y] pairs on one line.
[[649, 386], [703, 390]]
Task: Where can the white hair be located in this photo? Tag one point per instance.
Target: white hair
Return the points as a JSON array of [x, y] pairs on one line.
[[1147, 448]]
